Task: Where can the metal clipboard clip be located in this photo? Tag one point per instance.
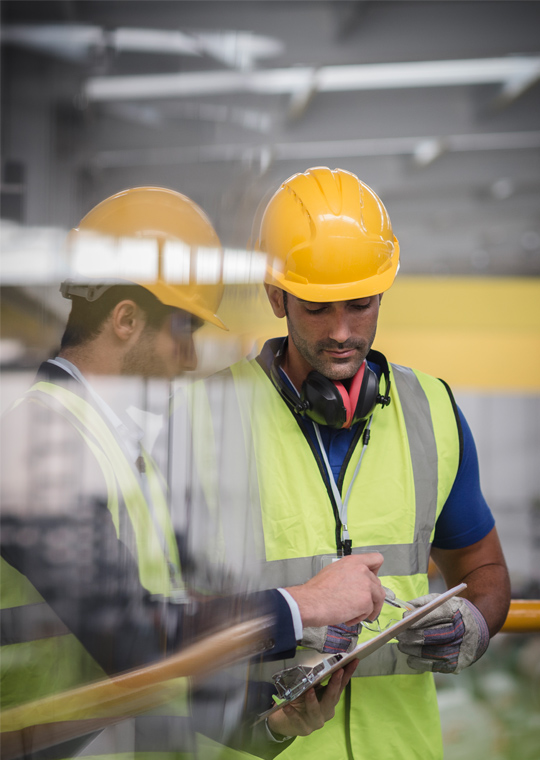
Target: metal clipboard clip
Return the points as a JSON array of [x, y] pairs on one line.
[[292, 682]]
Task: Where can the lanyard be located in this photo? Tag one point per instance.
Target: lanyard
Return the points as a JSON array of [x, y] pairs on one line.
[[342, 504]]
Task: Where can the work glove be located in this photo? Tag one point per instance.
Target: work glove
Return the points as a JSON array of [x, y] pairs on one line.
[[331, 639], [447, 639], [336, 639]]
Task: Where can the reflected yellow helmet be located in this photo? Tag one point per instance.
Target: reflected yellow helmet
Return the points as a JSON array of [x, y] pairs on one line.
[[153, 237], [328, 237]]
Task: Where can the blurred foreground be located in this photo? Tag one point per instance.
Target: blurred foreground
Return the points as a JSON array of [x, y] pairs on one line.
[[491, 710]]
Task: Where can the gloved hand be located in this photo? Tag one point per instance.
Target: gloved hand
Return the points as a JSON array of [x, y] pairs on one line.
[[447, 639], [331, 639]]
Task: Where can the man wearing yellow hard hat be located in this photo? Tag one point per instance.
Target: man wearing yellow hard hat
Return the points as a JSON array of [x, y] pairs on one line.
[[92, 576], [354, 454]]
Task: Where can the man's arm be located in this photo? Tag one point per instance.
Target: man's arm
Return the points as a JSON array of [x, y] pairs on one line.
[[456, 634], [483, 568]]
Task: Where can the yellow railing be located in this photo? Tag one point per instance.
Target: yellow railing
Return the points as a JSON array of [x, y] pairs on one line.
[[523, 616]]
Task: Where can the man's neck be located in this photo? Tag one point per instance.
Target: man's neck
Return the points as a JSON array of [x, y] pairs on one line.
[[294, 365], [91, 359]]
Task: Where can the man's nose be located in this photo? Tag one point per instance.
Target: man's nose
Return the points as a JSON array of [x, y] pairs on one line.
[[189, 357], [340, 330]]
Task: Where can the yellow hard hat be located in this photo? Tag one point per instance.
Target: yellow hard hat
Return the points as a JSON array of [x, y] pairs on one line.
[[153, 237], [328, 237]]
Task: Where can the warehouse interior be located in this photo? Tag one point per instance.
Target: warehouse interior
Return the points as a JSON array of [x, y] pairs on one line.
[[434, 104]]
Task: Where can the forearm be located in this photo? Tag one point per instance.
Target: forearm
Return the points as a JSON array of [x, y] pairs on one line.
[[488, 588], [483, 568]]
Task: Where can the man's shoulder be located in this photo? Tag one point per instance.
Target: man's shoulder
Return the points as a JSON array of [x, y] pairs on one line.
[[425, 378]]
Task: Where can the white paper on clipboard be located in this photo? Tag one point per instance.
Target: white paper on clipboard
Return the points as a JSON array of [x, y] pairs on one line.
[[320, 672]]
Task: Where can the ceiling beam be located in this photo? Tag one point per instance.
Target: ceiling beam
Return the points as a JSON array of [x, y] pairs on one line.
[[377, 76]]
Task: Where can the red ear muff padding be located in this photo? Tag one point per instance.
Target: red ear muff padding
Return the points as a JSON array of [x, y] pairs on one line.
[[350, 398], [354, 394]]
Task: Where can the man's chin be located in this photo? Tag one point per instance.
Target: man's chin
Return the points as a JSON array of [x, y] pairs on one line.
[[341, 371]]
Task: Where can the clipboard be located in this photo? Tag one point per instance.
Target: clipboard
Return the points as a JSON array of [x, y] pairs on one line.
[[296, 680]]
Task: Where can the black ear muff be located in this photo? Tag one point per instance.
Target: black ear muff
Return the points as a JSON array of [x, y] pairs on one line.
[[328, 402], [325, 404], [331, 404]]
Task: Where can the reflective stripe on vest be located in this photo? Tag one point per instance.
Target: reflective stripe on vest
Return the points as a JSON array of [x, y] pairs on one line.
[[29, 622], [399, 559], [233, 538], [419, 423]]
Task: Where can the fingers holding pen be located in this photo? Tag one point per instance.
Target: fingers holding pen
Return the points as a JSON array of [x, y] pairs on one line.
[[348, 589]]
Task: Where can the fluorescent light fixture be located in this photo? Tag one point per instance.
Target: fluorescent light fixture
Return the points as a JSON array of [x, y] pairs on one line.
[[154, 41], [75, 41], [377, 76]]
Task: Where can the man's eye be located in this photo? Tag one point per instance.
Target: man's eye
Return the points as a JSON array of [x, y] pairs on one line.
[[360, 306], [317, 310]]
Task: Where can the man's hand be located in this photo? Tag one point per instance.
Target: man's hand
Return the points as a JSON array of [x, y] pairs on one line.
[[347, 590], [447, 639], [311, 711]]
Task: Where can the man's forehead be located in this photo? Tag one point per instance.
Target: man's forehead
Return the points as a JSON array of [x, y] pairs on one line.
[[364, 299]]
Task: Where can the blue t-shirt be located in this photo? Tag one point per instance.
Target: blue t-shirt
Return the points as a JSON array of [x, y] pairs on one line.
[[465, 517]]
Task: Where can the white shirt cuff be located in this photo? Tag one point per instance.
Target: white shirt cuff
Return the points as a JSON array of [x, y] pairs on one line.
[[295, 612]]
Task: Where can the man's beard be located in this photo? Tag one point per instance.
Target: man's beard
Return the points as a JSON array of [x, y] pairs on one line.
[[333, 368], [141, 360]]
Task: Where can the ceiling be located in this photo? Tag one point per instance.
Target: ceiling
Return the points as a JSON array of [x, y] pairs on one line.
[[434, 104]]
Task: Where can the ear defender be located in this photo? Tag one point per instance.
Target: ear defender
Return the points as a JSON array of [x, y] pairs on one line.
[[328, 402]]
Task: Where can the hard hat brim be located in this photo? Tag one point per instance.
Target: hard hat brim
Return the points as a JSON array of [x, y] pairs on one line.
[[175, 297], [326, 292]]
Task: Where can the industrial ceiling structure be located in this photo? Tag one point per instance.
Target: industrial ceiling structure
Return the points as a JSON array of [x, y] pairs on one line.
[[434, 104]]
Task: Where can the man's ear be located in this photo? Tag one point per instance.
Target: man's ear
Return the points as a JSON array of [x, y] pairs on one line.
[[275, 296], [127, 319]]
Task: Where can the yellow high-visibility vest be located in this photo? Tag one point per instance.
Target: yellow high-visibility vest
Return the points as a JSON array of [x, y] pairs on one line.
[[39, 655], [408, 469]]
